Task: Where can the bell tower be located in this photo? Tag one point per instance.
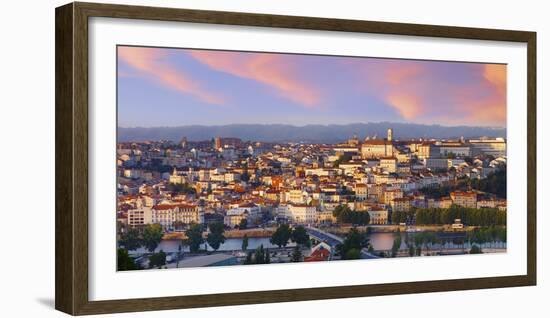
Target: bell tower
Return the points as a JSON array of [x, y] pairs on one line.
[[390, 134]]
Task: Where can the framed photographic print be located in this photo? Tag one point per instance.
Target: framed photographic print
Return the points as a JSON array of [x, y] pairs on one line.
[[211, 158]]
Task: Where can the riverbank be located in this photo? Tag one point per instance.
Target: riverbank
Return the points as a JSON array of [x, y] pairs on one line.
[[343, 230]]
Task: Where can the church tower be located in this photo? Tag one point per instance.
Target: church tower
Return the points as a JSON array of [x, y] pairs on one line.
[[390, 134]]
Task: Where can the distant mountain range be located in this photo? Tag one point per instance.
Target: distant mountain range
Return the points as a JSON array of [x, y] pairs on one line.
[[308, 133]]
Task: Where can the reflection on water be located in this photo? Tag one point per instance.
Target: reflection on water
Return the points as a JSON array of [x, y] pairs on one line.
[[384, 241], [381, 241], [229, 245]]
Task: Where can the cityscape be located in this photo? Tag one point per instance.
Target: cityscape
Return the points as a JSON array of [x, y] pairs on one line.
[[241, 196]]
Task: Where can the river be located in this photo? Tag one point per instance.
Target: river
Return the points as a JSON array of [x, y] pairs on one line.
[[384, 241], [231, 244], [379, 241]]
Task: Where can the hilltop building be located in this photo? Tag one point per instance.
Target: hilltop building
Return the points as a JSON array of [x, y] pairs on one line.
[[377, 148]]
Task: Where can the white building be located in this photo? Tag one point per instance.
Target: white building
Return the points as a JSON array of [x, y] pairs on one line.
[[301, 213], [296, 196], [378, 215], [167, 214], [495, 147], [389, 164], [139, 217], [361, 191], [248, 211], [175, 178]]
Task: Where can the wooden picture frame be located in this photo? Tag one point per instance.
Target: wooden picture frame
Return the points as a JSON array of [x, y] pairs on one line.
[[71, 90]]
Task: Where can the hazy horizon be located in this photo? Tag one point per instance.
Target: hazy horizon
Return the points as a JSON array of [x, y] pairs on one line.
[[312, 133], [312, 124]]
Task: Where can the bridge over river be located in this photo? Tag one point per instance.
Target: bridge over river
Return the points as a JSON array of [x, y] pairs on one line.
[[334, 240]]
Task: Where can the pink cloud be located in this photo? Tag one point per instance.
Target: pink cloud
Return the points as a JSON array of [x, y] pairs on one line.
[[403, 71], [488, 106], [496, 75], [400, 91], [408, 105], [152, 63], [420, 92], [274, 70]]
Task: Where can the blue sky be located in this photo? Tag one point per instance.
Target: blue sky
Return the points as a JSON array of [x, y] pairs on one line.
[[176, 87]]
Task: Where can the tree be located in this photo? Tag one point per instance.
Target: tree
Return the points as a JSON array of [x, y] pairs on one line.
[[296, 255], [121, 227], [476, 249], [353, 254], [260, 256], [494, 183], [281, 236], [130, 239], [398, 217], [248, 259], [411, 250], [152, 235], [342, 159], [157, 259], [243, 224], [124, 261], [180, 253], [396, 245], [344, 214], [469, 216], [194, 237], [299, 236], [353, 240], [244, 246], [181, 188], [215, 238]]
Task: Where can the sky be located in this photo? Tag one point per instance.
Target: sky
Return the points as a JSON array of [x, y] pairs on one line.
[[160, 87]]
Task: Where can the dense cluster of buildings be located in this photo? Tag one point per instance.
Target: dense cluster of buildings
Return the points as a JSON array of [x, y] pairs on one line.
[[230, 180]]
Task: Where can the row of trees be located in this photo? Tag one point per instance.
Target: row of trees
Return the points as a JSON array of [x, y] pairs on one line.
[[469, 216], [489, 234], [215, 237], [284, 233], [259, 256], [149, 237], [344, 214]]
